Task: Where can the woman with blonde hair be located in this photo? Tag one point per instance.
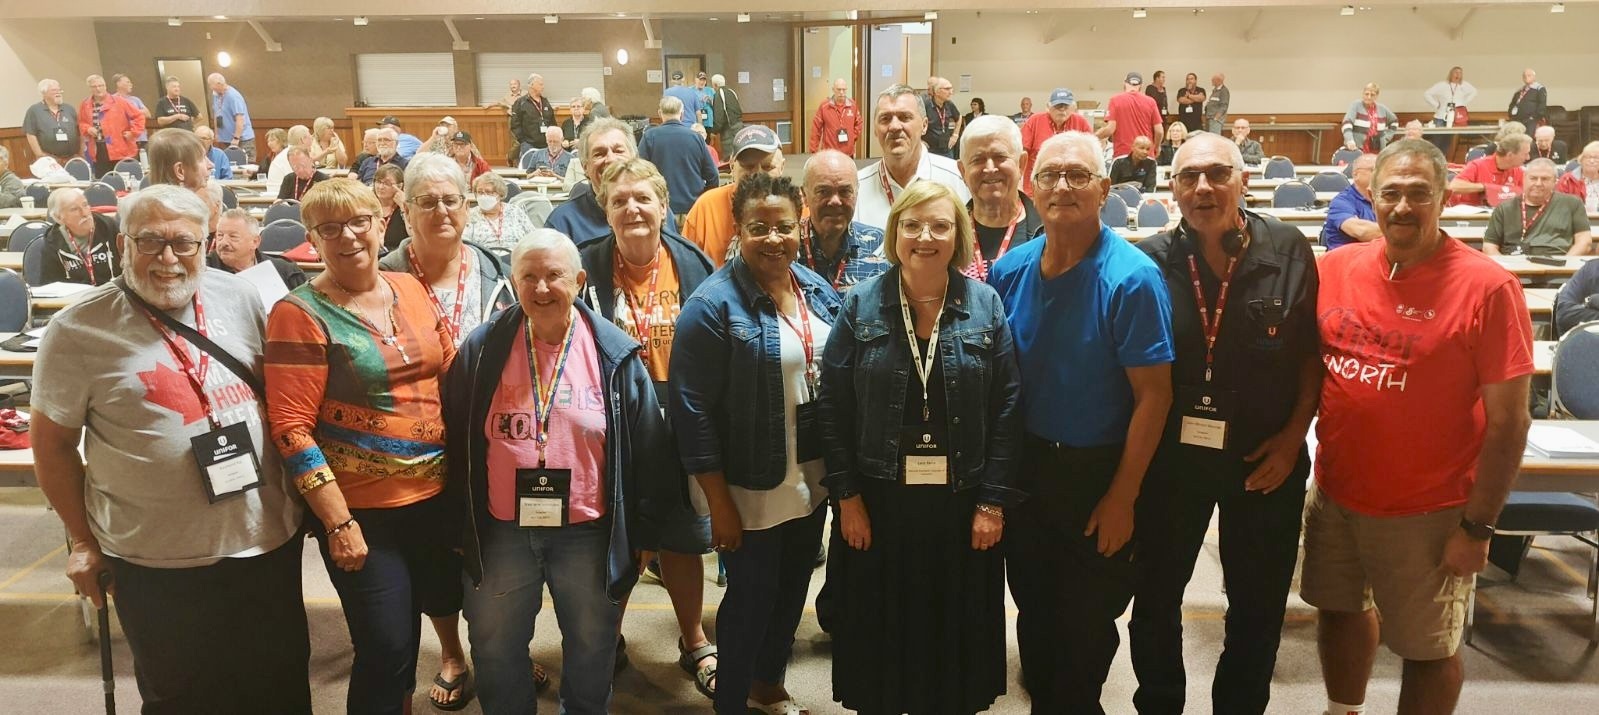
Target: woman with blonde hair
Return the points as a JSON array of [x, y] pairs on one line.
[[1176, 134], [298, 135], [327, 149]]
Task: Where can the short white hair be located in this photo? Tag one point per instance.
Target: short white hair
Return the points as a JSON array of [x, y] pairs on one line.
[[1544, 130], [548, 239], [718, 80], [58, 199], [1084, 142], [44, 85], [432, 166], [137, 208], [592, 95], [671, 106], [991, 125]]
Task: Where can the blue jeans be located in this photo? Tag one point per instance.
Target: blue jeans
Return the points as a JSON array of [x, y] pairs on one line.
[[767, 580], [517, 564]]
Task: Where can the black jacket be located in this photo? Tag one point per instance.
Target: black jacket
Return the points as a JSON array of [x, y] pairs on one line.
[[61, 263], [291, 182], [1532, 107], [291, 274], [529, 117], [727, 114]]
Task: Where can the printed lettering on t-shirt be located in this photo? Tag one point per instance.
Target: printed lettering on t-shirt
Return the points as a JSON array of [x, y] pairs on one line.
[[518, 424], [166, 386], [664, 309], [1368, 354]]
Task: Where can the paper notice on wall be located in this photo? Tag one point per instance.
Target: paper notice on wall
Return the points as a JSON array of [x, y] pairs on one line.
[[653, 76], [743, 78], [966, 83], [888, 70], [816, 71]]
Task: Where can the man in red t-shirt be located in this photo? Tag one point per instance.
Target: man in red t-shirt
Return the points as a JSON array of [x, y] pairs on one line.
[[1130, 115], [1494, 178], [1061, 117], [1428, 348]]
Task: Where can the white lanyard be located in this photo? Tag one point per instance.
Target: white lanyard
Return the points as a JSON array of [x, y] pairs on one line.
[[924, 365]]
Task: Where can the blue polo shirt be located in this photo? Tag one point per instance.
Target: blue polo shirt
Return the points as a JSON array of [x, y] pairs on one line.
[[1348, 204], [1078, 332], [224, 108]]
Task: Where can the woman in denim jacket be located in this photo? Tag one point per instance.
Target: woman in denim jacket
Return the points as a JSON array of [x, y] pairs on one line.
[[919, 397], [744, 374]]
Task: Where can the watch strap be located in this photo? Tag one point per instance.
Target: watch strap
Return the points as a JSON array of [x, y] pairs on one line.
[[1476, 530]]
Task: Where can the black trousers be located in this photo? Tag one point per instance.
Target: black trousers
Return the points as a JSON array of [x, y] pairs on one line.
[[1259, 539], [1067, 595], [225, 638]]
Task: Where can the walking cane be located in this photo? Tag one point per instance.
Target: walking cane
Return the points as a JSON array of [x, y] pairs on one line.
[[107, 677]]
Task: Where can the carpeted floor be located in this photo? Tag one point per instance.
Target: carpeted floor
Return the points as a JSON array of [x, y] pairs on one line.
[[1531, 655]]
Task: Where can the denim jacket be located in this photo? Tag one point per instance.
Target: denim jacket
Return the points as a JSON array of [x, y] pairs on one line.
[[867, 366], [640, 498], [727, 376]]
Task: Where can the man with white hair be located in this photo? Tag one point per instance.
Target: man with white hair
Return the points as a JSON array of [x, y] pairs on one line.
[[607, 141], [11, 188], [221, 168], [943, 117], [1070, 553], [1546, 146], [681, 156], [726, 111], [82, 245], [530, 115], [232, 115], [1002, 216], [51, 125], [553, 159], [177, 502], [899, 124], [1530, 102], [236, 246], [1541, 221], [387, 142], [110, 126]]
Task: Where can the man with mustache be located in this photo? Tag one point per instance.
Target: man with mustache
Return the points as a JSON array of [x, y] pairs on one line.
[[899, 124], [387, 144], [183, 507], [1428, 348], [82, 245]]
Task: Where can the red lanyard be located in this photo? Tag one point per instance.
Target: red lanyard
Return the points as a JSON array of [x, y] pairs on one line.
[[1527, 224], [453, 322], [1373, 125], [1212, 328], [887, 189], [195, 373], [86, 255], [810, 257], [498, 227], [978, 270], [298, 190], [652, 300], [943, 116], [544, 405], [1523, 93], [803, 330]]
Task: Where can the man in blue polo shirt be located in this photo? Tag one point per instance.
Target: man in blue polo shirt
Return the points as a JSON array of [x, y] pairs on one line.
[[1092, 320], [1350, 217]]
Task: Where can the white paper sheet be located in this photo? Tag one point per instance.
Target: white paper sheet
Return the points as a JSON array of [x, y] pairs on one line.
[[264, 276]]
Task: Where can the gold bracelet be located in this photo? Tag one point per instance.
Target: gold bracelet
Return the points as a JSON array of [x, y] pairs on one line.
[[991, 510]]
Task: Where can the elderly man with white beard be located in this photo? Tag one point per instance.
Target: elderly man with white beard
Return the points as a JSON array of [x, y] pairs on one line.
[[165, 364]]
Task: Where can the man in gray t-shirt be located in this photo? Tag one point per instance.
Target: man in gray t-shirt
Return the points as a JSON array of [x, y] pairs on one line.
[[201, 560], [1216, 106]]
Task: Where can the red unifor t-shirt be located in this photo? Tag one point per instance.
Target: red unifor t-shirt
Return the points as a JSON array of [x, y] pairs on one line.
[[1136, 116], [1501, 184], [1401, 420]]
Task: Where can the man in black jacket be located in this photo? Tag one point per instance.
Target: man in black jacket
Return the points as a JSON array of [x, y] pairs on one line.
[[1530, 103], [530, 115], [727, 115]]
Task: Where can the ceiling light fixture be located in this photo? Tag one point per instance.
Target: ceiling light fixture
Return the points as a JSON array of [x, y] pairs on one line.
[[224, 59], [1347, 10], [743, 17], [551, 19], [174, 22], [930, 15], [219, 17], [621, 57], [1140, 13], [1558, 7], [360, 21]]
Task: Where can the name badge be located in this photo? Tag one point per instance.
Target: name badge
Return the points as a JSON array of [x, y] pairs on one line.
[[541, 496], [228, 465], [924, 455], [61, 135], [807, 432], [1205, 415], [843, 136]]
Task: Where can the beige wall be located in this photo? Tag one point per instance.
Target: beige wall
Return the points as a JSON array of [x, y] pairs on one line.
[[31, 50], [315, 72], [759, 48], [1296, 60]]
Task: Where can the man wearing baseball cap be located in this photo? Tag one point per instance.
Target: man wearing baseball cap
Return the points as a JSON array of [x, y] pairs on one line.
[[460, 148], [1130, 115], [709, 224], [408, 144], [701, 87], [1061, 117]]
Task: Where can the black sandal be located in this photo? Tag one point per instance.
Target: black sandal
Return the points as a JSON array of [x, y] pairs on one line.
[[462, 682], [704, 675]]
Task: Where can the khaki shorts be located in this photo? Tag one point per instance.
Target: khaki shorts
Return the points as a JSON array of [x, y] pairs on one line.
[[1354, 562]]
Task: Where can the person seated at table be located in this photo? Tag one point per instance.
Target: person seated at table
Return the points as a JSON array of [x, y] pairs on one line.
[[369, 149], [1578, 300], [1350, 216], [82, 245], [1369, 126], [387, 145], [327, 148], [1489, 180], [1546, 146], [302, 174], [277, 139], [298, 136], [465, 153], [491, 224], [1540, 222], [180, 158], [1137, 167], [1413, 129], [1583, 182], [236, 246], [1250, 148], [573, 126], [11, 188], [439, 141], [221, 166], [389, 187], [553, 160], [1176, 134]]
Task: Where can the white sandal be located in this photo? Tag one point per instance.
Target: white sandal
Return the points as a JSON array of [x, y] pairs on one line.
[[781, 707]]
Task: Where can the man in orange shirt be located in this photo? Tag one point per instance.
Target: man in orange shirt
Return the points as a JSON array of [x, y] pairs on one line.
[[1061, 117], [709, 223], [837, 123], [110, 127]]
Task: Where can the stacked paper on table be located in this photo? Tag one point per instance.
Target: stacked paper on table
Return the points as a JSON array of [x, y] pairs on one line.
[[1561, 443]]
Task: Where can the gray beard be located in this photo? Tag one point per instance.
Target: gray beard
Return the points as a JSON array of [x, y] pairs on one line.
[[163, 298]]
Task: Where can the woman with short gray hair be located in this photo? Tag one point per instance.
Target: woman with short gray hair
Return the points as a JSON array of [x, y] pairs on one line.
[[11, 188], [492, 224]]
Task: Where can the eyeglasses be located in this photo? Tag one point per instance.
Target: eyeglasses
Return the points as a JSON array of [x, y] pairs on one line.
[[383, 141], [1076, 179], [1218, 174], [758, 230], [387, 183], [333, 229], [428, 202], [911, 228], [1415, 196], [153, 245]]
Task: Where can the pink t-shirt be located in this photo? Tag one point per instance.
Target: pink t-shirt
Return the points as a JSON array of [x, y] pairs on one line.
[[577, 429]]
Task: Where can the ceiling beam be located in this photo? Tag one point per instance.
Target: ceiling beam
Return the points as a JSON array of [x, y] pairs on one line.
[[271, 44], [456, 42]]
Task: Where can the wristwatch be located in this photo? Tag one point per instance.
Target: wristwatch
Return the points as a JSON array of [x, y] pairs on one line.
[[1475, 530]]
